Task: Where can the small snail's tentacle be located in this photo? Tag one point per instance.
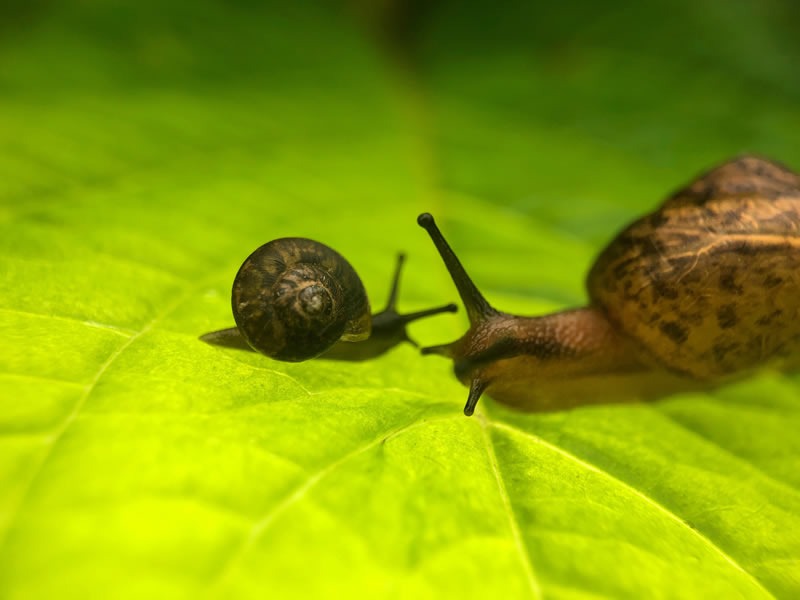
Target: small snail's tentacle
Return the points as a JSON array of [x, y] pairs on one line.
[[391, 304], [446, 350], [228, 338], [408, 318], [478, 309]]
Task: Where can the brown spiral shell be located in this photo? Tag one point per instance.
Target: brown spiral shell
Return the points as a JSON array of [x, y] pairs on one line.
[[709, 284], [293, 298]]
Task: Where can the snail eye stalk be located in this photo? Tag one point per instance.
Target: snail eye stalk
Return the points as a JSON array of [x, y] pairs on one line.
[[478, 309]]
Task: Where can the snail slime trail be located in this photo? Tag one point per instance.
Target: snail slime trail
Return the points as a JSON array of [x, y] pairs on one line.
[[702, 291], [294, 299]]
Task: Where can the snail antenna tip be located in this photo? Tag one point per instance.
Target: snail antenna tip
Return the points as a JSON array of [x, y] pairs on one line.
[[478, 309], [426, 220], [476, 388], [451, 308]]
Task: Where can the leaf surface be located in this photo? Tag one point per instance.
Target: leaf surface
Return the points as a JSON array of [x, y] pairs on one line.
[[162, 144]]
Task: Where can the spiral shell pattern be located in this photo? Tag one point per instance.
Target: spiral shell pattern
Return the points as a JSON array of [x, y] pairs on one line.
[[293, 298]]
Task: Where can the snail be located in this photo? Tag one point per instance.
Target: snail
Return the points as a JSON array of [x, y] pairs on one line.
[[701, 291], [294, 299]]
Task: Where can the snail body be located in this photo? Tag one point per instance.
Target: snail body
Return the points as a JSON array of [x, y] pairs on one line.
[[701, 291], [294, 299]]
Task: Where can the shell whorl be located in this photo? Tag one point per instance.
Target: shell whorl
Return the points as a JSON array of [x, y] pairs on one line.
[[708, 284], [293, 298]]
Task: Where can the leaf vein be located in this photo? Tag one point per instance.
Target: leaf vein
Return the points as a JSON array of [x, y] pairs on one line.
[[299, 492], [519, 542], [126, 333], [661, 508], [43, 378], [58, 435], [696, 434]]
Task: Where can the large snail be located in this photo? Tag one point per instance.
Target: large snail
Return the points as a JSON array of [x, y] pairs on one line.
[[294, 299], [702, 290]]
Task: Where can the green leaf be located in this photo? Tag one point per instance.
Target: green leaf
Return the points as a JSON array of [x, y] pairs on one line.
[[147, 148]]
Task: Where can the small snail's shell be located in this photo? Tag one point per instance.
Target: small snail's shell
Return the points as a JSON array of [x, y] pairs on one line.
[[709, 284], [293, 298]]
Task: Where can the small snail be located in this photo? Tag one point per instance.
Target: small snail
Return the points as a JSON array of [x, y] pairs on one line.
[[294, 299], [702, 290]]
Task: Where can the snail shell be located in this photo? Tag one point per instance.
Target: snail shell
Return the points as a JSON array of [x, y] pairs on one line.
[[709, 284], [293, 298]]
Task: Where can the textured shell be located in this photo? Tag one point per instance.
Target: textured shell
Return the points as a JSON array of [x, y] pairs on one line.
[[709, 284], [293, 298]]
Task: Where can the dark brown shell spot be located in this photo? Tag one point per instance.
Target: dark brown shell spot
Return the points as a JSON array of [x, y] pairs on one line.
[[653, 246], [726, 316], [621, 270], [729, 218], [660, 285], [657, 219], [721, 350], [662, 289], [727, 283], [770, 281], [681, 263], [767, 320], [674, 331]]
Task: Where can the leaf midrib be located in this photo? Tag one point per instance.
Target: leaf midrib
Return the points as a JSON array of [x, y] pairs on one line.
[[658, 506]]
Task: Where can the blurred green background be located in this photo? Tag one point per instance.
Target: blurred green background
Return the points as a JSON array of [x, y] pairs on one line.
[[147, 147]]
